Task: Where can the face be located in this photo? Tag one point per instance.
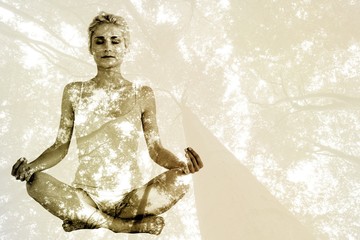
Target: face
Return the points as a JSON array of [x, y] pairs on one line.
[[108, 46]]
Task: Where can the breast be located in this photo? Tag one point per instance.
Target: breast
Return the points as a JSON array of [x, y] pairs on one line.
[[120, 134]]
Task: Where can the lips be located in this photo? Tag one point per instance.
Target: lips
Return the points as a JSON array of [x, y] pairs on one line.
[[107, 57]]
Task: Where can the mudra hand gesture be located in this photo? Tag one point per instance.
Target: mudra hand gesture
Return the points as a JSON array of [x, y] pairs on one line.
[[21, 170], [194, 163]]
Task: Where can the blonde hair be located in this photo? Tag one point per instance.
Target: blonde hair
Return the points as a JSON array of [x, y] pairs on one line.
[[107, 18]]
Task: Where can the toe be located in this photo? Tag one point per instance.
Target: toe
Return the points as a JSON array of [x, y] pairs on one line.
[[159, 225], [67, 226]]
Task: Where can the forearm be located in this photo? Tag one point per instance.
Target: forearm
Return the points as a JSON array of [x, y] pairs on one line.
[[49, 158], [167, 159]]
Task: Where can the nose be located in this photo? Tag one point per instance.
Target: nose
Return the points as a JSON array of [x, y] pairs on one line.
[[108, 46]]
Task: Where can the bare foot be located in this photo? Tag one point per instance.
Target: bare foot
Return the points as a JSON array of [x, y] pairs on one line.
[[70, 226], [151, 225]]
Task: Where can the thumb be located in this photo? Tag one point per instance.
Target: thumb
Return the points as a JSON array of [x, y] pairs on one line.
[[185, 168]]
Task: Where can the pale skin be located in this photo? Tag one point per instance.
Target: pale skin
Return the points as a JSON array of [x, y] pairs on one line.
[[144, 204]]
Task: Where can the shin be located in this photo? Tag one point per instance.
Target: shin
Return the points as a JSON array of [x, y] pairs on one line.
[[157, 196]]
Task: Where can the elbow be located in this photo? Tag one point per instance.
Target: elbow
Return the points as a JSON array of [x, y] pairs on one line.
[[154, 156], [59, 152], [64, 153], [155, 152], [65, 150]]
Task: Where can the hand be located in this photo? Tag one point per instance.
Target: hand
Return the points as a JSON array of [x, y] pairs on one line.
[[194, 163], [21, 170]]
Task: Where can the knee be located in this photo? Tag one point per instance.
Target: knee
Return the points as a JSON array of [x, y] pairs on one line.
[[181, 180], [33, 184], [184, 181]]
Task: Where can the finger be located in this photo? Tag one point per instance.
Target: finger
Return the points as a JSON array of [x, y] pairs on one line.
[[197, 157], [17, 176], [22, 176], [193, 161], [16, 166], [24, 172], [191, 167], [190, 164], [21, 171], [185, 168], [27, 175]]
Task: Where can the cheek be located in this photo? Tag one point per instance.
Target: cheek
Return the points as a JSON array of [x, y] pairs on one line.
[[95, 53], [94, 49], [120, 50], [120, 47]]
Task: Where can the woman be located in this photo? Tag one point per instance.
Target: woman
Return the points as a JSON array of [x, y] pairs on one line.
[[108, 112]]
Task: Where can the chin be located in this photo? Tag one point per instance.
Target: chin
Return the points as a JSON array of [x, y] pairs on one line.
[[108, 65]]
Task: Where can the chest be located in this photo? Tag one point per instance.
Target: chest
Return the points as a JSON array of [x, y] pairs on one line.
[[108, 103], [100, 108]]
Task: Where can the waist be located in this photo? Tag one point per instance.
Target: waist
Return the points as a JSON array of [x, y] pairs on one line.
[[104, 174]]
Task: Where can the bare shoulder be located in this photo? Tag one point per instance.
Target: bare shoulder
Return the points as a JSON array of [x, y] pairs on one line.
[[146, 92], [72, 86], [147, 98], [72, 91]]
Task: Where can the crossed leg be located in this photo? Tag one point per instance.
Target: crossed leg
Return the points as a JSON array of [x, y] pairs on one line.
[[137, 213], [155, 197]]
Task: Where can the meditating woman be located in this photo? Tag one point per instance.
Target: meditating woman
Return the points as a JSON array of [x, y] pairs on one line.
[[108, 114]]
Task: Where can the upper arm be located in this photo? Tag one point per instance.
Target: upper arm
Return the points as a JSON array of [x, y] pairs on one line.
[[149, 122], [67, 115]]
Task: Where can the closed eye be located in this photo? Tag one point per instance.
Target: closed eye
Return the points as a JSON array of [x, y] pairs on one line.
[[98, 42], [116, 40]]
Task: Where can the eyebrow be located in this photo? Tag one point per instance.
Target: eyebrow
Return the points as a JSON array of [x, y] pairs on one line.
[[102, 37]]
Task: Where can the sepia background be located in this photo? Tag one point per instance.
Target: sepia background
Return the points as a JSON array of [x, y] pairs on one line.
[[266, 91]]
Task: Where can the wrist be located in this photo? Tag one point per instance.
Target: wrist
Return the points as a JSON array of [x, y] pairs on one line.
[[32, 168]]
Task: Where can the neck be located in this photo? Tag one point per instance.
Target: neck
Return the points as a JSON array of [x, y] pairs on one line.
[[109, 77]]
